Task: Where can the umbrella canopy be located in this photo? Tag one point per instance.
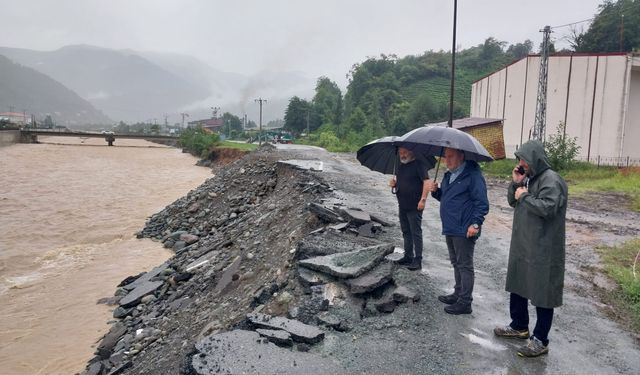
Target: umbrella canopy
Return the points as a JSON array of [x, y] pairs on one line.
[[381, 155], [431, 140]]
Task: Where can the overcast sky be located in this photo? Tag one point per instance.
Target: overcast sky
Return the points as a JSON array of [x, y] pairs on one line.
[[323, 37]]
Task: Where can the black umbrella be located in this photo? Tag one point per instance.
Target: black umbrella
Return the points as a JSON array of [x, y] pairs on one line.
[[381, 155], [431, 140]]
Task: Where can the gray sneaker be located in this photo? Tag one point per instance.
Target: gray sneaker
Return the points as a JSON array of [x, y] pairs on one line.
[[534, 348], [511, 333]]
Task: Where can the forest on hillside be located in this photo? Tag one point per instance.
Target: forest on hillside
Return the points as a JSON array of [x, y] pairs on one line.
[[390, 95]]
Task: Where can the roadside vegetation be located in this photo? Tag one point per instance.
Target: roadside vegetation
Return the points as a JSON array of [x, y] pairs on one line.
[[198, 142], [237, 145], [622, 264]]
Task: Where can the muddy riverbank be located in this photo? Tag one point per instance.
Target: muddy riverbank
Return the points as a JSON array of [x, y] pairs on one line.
[[241, 240]]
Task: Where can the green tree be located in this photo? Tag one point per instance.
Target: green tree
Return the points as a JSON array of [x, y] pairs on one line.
[[295, 116], [327, 101], [603, 35], [520, 50], [231, 123]]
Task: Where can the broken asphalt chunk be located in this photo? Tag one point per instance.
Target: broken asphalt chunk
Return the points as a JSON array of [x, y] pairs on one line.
[[299, 331], [350, 264], [373, 279]]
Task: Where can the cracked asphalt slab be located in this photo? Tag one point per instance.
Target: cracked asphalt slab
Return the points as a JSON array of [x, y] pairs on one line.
[[421, 338]]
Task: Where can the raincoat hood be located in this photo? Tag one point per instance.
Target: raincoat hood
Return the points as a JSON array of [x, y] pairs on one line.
[[533, 153]]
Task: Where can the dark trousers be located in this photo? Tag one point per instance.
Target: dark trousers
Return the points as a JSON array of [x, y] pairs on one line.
[[461, 257], [411, 226], [519, 310]]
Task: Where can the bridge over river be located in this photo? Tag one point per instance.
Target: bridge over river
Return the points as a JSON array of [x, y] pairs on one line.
[[31, 136]]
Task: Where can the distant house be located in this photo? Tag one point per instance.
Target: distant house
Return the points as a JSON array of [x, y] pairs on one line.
[[17, 118], [597, 97], [212, 125], [488, 131]]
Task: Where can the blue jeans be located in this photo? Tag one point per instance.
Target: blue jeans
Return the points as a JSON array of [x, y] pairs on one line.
[[411, 226], [461, 257]]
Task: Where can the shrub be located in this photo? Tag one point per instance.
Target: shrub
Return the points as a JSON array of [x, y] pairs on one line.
[[198, 142], [561, 149]]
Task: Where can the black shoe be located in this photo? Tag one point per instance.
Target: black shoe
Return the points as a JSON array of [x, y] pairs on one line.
[[449, 299], [405, 261], [458, 308], [415, 265]]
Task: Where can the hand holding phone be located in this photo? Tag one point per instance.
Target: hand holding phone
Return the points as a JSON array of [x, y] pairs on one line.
[[520, 169]]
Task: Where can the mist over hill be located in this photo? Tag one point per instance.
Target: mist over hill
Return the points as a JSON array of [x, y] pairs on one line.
[[143, 86], [28, 90]]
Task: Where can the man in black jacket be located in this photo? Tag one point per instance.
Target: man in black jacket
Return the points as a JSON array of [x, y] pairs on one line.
[[410, 184]]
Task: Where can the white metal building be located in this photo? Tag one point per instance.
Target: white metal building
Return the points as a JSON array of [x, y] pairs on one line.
[[597, 96]]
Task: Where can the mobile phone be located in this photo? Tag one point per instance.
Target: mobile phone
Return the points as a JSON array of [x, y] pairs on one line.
[[520, 170]]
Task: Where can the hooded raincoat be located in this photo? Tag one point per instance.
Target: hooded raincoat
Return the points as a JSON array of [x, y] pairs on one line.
[[537, 251]]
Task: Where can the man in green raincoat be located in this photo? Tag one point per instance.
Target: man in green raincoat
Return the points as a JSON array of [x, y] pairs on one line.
[[537, 252]]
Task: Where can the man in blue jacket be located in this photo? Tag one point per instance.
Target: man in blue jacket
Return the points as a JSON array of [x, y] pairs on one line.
[[463, 206]]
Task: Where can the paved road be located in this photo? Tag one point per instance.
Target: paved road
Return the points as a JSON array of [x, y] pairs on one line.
[[422, 339]]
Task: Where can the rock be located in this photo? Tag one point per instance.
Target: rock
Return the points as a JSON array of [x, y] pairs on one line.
[[373, 279], [276, 336], [309, 278], [403, 294], [105, 348], [386, 304], [325, 213], [121, 312], [366, 230], [380, 220], [146, 277], [328, 320], [245, 352], [148, 298], [134, 297], [189, 238], [93, 369], [179, 245], [350, 264], [339, 227], [354, 216], [299, 331]]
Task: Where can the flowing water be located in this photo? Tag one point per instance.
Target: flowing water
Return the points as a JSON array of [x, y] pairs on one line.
[[68, 217]]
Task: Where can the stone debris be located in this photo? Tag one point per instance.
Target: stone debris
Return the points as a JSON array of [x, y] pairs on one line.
[[373, 279], [350, 264], [356, 217], [251, 238], [300, 332], [276, 336]]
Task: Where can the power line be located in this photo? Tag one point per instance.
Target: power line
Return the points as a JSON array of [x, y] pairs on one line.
[[572, 23]]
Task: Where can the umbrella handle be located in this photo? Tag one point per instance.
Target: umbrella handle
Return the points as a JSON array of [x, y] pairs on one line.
[[394, 190]]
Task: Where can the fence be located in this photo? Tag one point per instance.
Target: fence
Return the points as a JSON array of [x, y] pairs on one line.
[[625, 161]]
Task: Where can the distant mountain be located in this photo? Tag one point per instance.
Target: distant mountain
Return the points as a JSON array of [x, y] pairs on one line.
[[122, 84], [139, 86], [25, 89]]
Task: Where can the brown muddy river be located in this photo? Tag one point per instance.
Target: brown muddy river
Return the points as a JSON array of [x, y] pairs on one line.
[[68, 217]]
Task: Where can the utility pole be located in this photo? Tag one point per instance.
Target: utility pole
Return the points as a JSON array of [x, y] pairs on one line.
[[621, 32], [260, 100], [541, 103], [307, 122], [183, 116], [453, 63]]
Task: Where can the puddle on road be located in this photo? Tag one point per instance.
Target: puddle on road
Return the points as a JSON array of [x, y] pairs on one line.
[[483, 342]]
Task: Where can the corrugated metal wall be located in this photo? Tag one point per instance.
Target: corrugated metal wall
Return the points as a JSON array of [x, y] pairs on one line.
[[588, 93]]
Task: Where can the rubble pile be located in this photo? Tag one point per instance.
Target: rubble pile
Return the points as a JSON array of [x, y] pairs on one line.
[[261, 262]]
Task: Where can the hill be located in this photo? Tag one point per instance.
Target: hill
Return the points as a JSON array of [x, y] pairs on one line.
[[123, 84], [38, 94]]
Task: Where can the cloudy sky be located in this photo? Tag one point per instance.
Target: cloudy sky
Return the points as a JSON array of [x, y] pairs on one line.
[[323, 37]]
